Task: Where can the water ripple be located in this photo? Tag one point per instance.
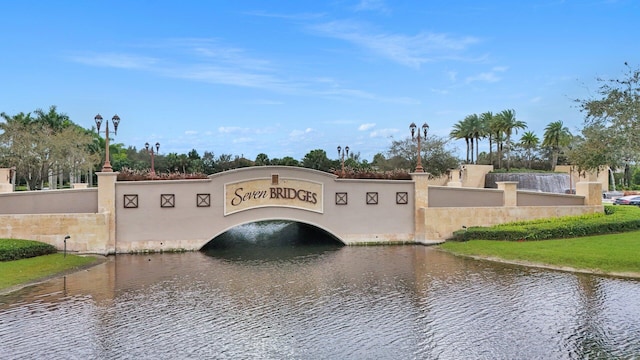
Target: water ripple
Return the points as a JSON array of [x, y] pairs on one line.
[[355, 303]]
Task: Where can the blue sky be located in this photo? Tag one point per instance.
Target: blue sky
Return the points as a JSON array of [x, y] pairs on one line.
[[287, 77]]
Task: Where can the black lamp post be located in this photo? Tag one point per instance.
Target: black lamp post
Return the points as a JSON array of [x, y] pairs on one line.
[[425, 128], [341, 155], [150, 151], [116, 120]]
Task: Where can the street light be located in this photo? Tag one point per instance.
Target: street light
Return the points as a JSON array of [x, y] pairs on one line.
[[425, 128], [116, 120], [153, 167], [341, 155]]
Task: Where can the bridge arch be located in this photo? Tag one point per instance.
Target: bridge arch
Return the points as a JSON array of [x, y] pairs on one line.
[[290, 220], [184, 214]]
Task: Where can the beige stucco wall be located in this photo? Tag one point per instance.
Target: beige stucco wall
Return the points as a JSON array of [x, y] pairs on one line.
[[67, 201], [446, 196], [439, 223], [187, 226], [531, 198], [87, 231], [473, 175]]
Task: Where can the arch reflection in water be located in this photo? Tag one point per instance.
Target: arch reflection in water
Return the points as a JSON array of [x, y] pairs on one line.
[[271, 240]]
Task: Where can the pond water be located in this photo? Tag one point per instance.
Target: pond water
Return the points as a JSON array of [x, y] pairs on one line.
[[320, 301]]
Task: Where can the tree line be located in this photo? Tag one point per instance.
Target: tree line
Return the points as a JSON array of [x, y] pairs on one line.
[[498, 129], [608, 136], [47, 148], [43, 143]]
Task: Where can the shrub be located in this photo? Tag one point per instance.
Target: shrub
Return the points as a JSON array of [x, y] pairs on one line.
[[15, 249], [612, 220], [127, 174], [397, 174]]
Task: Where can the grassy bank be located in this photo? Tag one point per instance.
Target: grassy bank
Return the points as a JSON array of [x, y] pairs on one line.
[[606, 254], [24, 271]]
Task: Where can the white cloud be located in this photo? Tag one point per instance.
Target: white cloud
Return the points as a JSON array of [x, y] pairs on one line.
[[265, 102], [230, 129], [366, 126], [372, 5], [360, 94], [383, 133], [489, 76], [300, 133], [191, 132], [408, 50], [439, 91], [208, 61], [115, 60], [295, 17], [242, 140]]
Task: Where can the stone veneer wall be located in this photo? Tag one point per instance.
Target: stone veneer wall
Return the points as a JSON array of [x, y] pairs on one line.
[[87, 231], [440, 223]]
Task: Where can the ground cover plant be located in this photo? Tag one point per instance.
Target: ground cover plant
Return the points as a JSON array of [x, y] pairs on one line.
[[23, 271], [608, 254]]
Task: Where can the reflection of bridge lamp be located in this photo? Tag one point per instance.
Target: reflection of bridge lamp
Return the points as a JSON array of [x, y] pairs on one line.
[[425, 128], [152, 153], [116, 120], [341, 155]]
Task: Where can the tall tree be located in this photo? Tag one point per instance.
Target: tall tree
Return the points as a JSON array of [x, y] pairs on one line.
[[556, 135], [529, 141], [53, 119], [478, 132], [317, 159], [262, 159], [47, 142], [461, 130], [509, 124], [208, 162], [616, 111], [486, 120], [437, 158]]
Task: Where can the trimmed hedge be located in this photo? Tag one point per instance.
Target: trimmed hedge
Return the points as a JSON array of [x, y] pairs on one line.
[[614, 219], [15, 249]]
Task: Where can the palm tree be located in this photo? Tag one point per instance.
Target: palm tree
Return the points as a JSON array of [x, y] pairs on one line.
[[508, 124], [529, 142], [495, 129], [486, 118], [57, 121], [461, 131], [556, 135], [476, 130]]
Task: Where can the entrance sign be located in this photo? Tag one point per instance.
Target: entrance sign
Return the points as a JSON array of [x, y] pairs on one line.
[[273, 192]]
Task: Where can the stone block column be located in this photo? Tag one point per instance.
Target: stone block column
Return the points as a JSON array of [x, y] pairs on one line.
[[420, 201], [455, 178], [5, 180], [510, 194], [592, 192], [107, 206]]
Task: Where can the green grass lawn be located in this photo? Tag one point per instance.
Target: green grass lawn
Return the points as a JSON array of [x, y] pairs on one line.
[[27, 270], [612, 253]]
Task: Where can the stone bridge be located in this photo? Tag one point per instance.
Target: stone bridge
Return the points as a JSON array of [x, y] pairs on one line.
[[166, 215]]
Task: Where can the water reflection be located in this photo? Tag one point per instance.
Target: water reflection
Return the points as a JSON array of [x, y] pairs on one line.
[[396, 302], [271, 241]]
